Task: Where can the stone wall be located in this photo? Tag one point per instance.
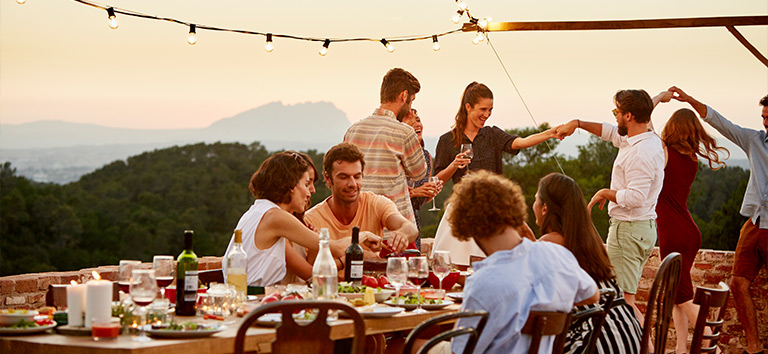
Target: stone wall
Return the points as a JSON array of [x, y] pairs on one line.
[[710, 268]]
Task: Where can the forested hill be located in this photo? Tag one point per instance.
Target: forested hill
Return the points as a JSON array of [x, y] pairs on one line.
[[139, 207]]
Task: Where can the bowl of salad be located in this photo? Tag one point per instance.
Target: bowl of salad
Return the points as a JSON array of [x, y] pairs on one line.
[[10, 317]]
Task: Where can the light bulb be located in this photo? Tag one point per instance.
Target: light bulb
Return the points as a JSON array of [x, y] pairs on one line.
[[112, 18], [456, 18], [479, 38], [324, 49], [387, 45], [483, 23], [192, 39], [269, 47], [435, 45], [462, 5], [21, 2]]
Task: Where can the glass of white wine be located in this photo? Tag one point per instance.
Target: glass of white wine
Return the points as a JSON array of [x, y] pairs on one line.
[[434, 180], [441, 265]]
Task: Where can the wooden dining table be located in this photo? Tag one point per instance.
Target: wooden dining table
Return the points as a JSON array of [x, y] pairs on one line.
[[258, 339]]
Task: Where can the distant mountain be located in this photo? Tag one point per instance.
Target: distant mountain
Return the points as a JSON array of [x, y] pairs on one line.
[[61, 152]]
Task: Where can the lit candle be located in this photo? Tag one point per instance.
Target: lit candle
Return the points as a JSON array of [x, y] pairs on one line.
[[98, 297], [75, 303]]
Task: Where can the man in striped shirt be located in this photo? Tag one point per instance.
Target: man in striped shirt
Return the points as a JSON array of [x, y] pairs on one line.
[[392, 149]]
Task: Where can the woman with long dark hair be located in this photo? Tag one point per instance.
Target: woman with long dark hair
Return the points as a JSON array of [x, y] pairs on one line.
[[685, 141], [561, 213]]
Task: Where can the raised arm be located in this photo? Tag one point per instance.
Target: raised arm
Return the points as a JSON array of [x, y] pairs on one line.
[[681, 96], [534, 139], [568, 128]]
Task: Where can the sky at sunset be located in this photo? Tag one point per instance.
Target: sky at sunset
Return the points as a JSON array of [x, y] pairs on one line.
[[60, 61]]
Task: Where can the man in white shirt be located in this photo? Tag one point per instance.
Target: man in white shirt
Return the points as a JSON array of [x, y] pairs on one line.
[[636, 179]]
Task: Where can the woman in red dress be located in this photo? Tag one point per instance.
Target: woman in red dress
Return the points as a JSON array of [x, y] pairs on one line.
[[684, 142]]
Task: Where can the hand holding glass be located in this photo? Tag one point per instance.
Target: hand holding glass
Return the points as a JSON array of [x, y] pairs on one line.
[[467, 150]]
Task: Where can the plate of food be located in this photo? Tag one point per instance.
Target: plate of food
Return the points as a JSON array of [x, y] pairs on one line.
[[378, 311], [28, 327], [273, 319], [184, 330], [409, 302]]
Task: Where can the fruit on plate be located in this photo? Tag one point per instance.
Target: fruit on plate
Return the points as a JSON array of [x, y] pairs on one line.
[[293, 296], [271, 298], [370, 282], [383, 281]]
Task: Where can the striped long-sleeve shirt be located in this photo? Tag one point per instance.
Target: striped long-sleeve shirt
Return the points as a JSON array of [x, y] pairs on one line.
[[392, 152]]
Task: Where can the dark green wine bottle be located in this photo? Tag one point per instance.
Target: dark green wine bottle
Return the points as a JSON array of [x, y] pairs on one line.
[[353, 271], [186, 278]]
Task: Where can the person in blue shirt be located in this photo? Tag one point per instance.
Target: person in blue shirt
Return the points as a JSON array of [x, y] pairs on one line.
[[519, 275]]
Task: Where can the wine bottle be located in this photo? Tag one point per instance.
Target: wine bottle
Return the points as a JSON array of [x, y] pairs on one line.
[[186, 278], [237, 261], [353, 259], [324, 272]]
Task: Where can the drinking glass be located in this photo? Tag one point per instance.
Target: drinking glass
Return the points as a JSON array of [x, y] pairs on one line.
[[418, 271], [397, 273], [164, 272], [467, 149], [441, 265], [143, 292], [124, 274], [434, 180]]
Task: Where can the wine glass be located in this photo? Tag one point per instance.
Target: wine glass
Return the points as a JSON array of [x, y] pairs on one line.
[[143, 292], [467, 150], [434, 180], [397, 273], [124, 274], [441, 265], [164, 272], [418, 270]]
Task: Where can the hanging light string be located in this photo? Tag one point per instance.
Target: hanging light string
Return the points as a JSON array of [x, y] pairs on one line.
[[324, 40], [530, 114]]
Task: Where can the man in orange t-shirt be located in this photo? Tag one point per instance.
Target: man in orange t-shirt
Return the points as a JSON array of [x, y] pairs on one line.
[[348, 207]]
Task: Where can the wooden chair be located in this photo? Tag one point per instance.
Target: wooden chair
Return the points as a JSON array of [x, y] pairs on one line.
[[596, 316], [310, 338], [57, 295], [435, 323], [211, 276], [660, 303], [542, 323], [706, 299]]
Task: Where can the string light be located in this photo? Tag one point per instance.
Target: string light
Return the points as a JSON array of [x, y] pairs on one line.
[[324, 49], [462, 5], [387, 45], [435, 45], [457, 17], [112, 18], [269, 47], [21, 2], [483, 24], [479, 38], [192, 39]]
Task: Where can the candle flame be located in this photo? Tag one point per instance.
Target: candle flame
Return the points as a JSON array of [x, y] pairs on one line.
[[73, 282], [96, 275]]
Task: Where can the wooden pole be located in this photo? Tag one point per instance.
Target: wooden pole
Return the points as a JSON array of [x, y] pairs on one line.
[[728, 22]]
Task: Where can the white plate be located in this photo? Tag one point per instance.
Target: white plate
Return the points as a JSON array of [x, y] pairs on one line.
[[383, 295], [458, 297], [28, 330], [165, 333], [273, 319], [382, 311], [443, 303]]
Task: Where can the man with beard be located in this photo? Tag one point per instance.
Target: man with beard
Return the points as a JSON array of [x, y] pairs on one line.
[[391, 147], [348, 207], [636, 180]]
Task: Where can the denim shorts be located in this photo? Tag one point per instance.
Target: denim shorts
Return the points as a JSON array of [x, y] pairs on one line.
[[629, 246]]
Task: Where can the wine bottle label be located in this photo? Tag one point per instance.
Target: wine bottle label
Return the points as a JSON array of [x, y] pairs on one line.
[[190, 280], [356, 270]]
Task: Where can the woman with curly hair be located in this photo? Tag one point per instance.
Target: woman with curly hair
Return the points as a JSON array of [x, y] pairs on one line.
[[561, 213], [685, 141]]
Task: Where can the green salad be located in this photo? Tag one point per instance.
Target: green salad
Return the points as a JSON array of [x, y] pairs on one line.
[[187, 326], [412, 299], [23, 324]]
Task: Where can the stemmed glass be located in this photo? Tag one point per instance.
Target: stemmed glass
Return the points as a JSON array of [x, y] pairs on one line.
[[164, 272], [397, 273], [441, 265], [124, 274], [467, 149], [434, 180], [418, 270], [143, 292]]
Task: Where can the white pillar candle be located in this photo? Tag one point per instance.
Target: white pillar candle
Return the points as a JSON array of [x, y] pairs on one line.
[[75, 304], [98, 302]]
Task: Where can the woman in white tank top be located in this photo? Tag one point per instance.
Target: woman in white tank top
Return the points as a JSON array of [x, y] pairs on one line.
[[281, 186]]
